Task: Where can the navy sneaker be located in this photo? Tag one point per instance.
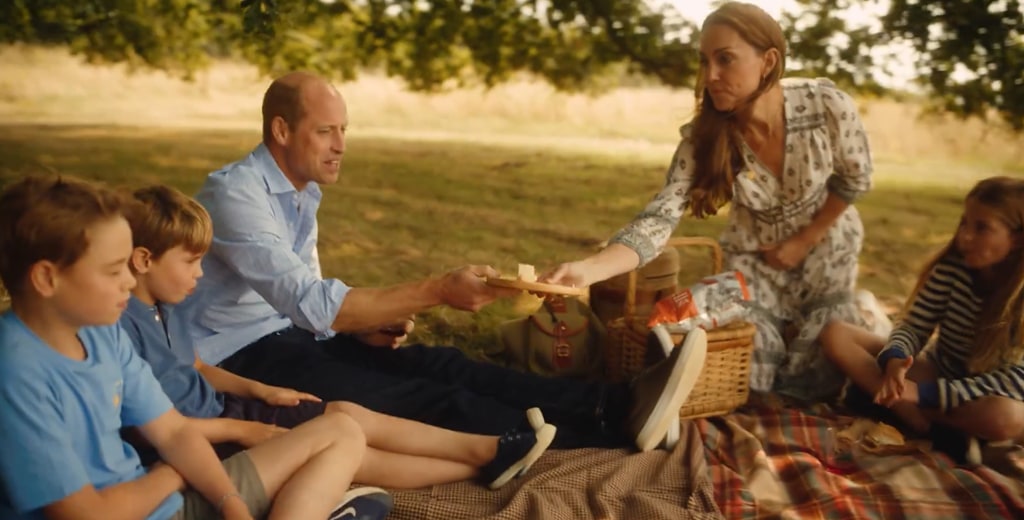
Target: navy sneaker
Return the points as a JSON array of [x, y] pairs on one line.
[[517, 451], [962, 448], [363, 503]]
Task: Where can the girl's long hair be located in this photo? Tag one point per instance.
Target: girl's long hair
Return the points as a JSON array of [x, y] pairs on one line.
[[716, 138], [998, 339]]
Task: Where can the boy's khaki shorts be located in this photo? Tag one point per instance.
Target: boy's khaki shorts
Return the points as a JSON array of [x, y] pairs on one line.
[[242, 472]]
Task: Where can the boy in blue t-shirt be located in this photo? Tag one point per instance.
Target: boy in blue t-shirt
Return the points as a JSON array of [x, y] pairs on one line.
[[70, 379], [171, 233]]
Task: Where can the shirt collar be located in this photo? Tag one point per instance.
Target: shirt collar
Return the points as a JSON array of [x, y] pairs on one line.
[[274, 178], [139, 309]]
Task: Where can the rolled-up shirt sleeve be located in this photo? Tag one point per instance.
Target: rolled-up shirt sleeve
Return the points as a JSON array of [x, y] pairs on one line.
[[253, 241], [851, 153], [650, 230]]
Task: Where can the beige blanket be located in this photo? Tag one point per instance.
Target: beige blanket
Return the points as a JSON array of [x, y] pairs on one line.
[[580, 484]]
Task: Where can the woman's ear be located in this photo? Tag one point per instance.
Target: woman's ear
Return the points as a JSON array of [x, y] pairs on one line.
[[140, 260], [771, 60]]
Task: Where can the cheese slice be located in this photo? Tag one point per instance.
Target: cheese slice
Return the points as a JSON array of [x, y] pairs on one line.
[[527, 273]]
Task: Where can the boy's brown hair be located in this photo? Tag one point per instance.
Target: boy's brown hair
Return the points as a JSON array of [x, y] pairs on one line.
[[48, 218], [163, 218]]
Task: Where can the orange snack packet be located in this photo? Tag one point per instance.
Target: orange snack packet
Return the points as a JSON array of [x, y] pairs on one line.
[[712, 302]]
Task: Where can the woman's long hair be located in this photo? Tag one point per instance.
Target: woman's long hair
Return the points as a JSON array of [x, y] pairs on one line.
[[716, 139], [998, 340]]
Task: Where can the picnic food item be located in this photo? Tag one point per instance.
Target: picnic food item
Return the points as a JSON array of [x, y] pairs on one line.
[[710, 303], [526, 280], [873, 437], [527, 273]]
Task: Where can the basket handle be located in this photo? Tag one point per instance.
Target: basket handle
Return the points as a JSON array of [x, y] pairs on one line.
[[629, 308]]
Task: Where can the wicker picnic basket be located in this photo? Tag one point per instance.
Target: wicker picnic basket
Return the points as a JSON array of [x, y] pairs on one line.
[[723, 385]]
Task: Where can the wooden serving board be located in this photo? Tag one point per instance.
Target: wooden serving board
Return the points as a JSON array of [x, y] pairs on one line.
[[536, 287]]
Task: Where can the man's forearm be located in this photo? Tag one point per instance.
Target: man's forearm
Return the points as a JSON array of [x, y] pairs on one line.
[[367, 308]]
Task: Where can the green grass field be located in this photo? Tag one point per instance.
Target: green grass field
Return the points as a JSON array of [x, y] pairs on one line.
[[518, 173], [405, 210]]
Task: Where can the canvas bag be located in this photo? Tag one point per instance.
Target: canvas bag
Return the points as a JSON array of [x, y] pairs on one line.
[[562, 338]]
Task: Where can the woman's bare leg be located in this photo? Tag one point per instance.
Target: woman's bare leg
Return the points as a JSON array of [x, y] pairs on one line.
[[405, 437], [307, 470]]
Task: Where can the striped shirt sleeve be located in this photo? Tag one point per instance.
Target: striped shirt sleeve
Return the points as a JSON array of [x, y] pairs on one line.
[[924, 315], [946, 394]]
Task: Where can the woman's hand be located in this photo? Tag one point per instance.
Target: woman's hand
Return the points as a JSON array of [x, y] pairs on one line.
[[894, 384], [571, 274], [787, 255]]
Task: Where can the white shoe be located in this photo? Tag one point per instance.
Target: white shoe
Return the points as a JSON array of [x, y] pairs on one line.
[[671, 436]]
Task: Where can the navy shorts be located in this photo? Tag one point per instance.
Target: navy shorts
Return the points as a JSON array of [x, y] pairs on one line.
[[255, 410]]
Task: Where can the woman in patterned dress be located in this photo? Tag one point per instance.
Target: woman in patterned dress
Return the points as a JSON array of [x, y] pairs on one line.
[[791, 156]]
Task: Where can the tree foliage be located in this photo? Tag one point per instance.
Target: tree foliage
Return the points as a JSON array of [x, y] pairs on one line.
[[972, 51]]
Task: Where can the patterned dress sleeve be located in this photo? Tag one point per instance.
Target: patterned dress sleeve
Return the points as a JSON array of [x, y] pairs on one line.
[[851, 154], [924, 315], [651, 229]]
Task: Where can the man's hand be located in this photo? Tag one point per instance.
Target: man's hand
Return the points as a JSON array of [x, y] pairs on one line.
[[251, 433], [278, 396], [894, 384], [465, 289], [787, 255], [389, 336]]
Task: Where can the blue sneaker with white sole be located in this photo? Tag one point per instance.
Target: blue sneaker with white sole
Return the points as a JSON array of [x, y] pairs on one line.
[[363, 503], [518, 450]]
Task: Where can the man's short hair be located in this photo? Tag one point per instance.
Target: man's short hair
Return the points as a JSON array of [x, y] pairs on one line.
[[48, 218], [163, 218], [282, 99]]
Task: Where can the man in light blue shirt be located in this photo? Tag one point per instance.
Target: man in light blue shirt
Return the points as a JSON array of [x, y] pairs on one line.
[[264, 311]]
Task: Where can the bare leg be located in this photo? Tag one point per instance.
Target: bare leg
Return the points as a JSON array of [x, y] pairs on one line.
[[991, 418], [397, 470], [854, 349], [308, 469], [402, 436]]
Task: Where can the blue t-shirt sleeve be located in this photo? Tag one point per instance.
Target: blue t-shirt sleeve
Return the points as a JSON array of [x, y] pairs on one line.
[[39, 465], [144, 399]]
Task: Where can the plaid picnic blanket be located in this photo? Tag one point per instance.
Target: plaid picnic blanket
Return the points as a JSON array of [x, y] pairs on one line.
[[758, 462], [771, 463], [580, 484]]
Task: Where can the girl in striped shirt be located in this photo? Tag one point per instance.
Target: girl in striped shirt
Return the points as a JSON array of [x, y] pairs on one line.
[[971, 298]]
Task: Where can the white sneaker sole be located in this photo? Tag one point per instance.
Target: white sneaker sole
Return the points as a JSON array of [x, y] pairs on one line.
[[545, 434], [680, 383], [671, 436]]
